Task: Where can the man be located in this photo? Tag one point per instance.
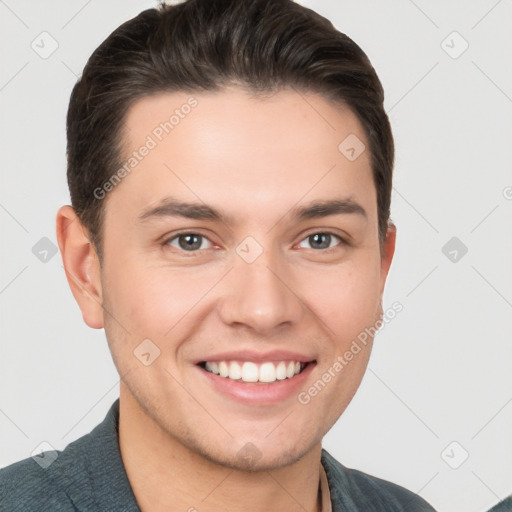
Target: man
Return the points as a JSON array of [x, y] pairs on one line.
[[229, 165]]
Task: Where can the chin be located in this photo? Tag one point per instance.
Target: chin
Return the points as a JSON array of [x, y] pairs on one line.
[[250, 458]]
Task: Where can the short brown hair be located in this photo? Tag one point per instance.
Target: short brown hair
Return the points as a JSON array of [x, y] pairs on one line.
[[204, 45]]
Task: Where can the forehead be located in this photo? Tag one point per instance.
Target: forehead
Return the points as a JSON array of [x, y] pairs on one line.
[[284, 119], [228, 146]]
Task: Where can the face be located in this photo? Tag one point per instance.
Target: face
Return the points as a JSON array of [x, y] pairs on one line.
[[242, 243]]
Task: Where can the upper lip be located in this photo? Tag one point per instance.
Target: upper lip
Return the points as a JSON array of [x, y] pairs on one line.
[[257, 356]]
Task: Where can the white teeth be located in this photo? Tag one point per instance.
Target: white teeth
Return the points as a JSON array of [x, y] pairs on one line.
[[235, 371], [223, 369], [212, 367], [267, 372], [281, 371], [251, 372]]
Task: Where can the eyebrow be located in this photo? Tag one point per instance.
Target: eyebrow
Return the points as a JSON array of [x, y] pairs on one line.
[[171, 207]]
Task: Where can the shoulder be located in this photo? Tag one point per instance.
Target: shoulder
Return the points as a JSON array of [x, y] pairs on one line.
[[26, 486], [55, 480], [354, 490], [88, 475], [503, 506]]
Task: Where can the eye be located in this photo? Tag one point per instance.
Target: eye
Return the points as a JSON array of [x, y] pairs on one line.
[[194, 242], [190, 242], [321, 240]]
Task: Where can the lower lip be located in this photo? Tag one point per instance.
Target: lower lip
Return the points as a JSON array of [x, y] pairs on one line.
[[259, 393]]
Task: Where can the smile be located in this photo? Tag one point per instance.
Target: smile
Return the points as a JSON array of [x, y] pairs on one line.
[[249, 371]]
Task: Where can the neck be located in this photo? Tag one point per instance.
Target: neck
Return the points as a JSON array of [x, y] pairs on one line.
[[166, 475]]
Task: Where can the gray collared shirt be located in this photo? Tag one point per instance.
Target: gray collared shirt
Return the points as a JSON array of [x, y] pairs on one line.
[[89, 476]]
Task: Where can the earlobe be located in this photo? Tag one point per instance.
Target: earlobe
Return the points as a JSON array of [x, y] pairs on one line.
[[388, 250], [81, 265]]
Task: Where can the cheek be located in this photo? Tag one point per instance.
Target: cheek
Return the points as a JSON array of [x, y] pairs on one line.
[[346, 298], [152, 300]]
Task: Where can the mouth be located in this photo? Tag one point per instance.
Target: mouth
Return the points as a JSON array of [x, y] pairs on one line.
[[256, 378], [252, 372]]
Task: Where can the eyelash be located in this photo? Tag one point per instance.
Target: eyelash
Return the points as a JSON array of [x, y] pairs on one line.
[[327, 250]]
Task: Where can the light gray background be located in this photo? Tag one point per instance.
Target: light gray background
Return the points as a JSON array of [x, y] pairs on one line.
[[440, 371]]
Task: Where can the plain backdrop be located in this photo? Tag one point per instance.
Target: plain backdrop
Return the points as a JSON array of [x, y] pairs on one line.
[[434, 411]]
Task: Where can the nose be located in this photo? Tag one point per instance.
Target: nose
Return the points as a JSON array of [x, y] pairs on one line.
[[260, 296]]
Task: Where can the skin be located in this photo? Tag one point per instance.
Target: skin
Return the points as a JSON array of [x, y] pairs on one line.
[[255, 159]]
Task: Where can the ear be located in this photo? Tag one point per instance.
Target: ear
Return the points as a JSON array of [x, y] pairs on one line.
[[81, 265], [387, 252]]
